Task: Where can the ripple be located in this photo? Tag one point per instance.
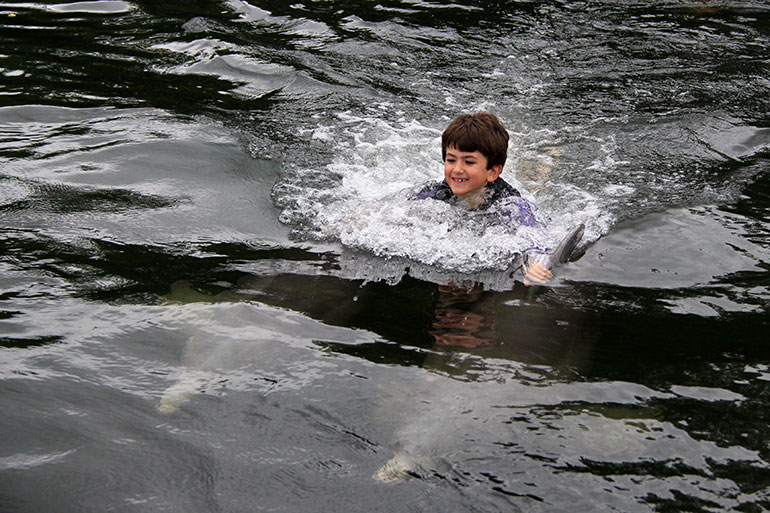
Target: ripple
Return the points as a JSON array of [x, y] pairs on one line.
[[100, 7], [26, 461]]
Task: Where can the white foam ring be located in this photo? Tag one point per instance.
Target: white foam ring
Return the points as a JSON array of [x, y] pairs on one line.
[[362, 200]]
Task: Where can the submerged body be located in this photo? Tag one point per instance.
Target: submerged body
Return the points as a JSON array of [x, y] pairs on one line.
[[498, 198]]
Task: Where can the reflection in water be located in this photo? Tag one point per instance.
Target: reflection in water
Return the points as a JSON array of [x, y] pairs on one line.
[[461, 318]]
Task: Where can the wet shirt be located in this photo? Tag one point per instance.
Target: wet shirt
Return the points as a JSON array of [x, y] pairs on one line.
[[501, 200]]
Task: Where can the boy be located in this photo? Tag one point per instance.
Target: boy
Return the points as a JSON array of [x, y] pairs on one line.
[[474, 148]]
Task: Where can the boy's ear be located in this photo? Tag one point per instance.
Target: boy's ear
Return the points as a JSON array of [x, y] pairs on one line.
[[494, 173]]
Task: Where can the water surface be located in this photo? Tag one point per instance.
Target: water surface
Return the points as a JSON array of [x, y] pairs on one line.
[[216, 296]]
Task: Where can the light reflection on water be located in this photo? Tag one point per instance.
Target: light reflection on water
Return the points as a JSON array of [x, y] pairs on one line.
[[167, 343]]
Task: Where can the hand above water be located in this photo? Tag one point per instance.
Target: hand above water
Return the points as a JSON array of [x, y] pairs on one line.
[[537, 273]]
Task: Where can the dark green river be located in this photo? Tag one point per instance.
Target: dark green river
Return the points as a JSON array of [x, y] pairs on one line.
[[216, 295]]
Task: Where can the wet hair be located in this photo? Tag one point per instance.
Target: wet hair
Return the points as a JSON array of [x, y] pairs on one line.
[[482, 132]]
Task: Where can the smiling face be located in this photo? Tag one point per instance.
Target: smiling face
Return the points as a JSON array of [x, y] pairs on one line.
[[466, 171]]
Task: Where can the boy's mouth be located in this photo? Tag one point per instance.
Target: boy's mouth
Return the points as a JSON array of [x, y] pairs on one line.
[[459, 180]]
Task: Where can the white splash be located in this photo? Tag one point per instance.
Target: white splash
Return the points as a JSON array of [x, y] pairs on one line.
[[362, 199]]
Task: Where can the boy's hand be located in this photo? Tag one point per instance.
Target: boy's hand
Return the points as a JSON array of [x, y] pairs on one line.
[[537, 273]]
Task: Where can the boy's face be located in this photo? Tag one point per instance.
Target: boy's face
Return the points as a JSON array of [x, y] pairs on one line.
[[467, 172]]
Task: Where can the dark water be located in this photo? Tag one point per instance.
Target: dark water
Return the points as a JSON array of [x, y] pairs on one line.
[[214, 296]]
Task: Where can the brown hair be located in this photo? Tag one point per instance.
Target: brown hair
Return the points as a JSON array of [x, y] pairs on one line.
[[482, 132]]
